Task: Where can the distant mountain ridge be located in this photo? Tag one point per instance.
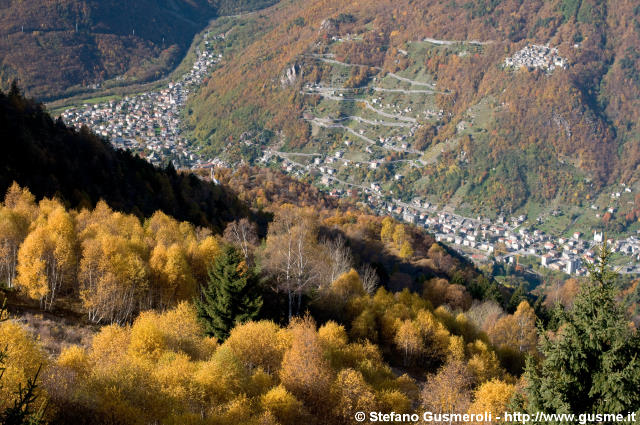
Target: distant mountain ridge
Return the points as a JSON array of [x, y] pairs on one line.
[[52, 46]]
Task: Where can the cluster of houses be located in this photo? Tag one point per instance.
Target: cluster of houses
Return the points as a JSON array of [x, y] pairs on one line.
[[346, 37], [506, 240], [327, 167], [535, 56], [150, 123]]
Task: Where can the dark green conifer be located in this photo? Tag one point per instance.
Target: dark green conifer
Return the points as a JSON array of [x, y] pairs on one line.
[[231, 295], [592, 362]]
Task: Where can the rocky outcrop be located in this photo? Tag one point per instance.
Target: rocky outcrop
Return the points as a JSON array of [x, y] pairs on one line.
[[291, 75]]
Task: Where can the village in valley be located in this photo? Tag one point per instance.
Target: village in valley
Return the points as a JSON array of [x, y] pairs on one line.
[[391, 111], [150, 123], [506, 240], [481, 239]]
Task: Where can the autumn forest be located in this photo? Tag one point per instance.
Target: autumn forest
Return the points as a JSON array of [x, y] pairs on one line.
[[296, 314], [133, 291], [165, 353]]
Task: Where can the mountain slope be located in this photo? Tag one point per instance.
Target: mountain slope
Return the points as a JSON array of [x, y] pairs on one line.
[[81, 168], [58, 47], [559, 136]]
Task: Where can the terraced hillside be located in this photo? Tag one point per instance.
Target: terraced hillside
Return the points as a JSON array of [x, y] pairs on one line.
[[489, 125], [371, 136]]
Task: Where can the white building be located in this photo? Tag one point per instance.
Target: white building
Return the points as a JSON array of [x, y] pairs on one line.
[[572, 266]]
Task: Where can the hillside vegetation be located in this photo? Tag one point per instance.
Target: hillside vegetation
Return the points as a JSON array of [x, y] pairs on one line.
[[117, 270], [56, 48], [534, 136], [82, 168], [363, 348], [308, 316]]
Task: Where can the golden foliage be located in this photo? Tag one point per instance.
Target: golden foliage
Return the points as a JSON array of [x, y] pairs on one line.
[[449, 390], [351, 394], [305, 371], [157, 371], [492, 396], [283, 405], [348, 285], [23, 359], [258, 345], [517, 330], [47, 257], [116, 265]]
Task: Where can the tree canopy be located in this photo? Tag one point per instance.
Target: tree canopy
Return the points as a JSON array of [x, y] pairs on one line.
[[591, 362], [231, 295]]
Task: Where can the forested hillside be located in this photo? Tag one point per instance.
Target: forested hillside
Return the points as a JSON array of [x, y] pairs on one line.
[[535, 135], [231, 7], [245, 351], [309, 315], [82, 168], [57, 47]]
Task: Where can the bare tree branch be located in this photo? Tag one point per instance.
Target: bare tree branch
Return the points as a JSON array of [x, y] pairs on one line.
[[369, 277]]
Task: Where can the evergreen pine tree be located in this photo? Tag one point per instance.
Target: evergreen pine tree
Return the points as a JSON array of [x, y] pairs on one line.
[[231, 295], [592, 363], [519, 295]]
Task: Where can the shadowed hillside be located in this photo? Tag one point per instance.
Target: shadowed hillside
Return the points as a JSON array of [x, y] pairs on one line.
[[81, 168]]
